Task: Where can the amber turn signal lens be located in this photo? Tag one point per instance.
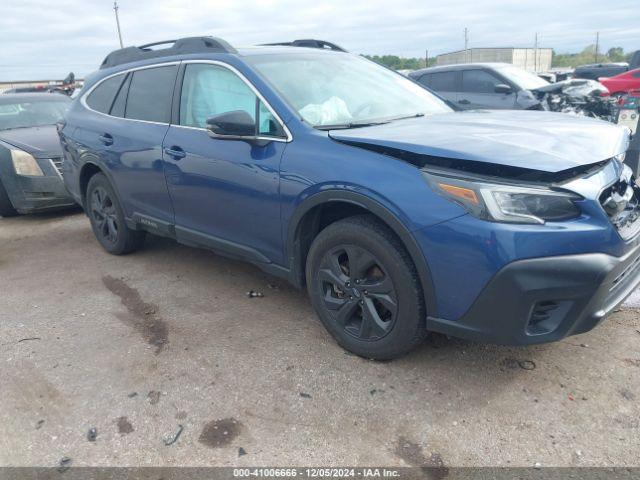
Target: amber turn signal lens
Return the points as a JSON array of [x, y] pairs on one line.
[[462, 193]]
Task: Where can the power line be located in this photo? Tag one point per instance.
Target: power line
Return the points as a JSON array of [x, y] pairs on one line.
[[115, 9], [466, 44]]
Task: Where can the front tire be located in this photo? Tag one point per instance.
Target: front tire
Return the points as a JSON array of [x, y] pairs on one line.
[[107, 218], [365, 289], [6, 207]]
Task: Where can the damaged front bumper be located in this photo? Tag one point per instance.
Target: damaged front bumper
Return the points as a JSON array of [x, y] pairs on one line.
[[29, 194], [546, 299]]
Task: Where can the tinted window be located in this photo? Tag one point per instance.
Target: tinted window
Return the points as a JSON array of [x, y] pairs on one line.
[[117, 110], [443, 81], [425, 80], [479, 81], [209, 90], [102, 96], [150, 93]]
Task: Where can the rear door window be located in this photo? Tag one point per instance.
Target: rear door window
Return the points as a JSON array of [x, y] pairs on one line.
[[101, 98], [444, 81], [479, 81], [150, 94]]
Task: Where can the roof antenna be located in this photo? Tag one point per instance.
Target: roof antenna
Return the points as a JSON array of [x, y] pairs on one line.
[[115, 9]]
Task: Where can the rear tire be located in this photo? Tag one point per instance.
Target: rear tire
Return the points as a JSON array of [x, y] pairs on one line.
[[365, 288], [107, 218], [6, 207]]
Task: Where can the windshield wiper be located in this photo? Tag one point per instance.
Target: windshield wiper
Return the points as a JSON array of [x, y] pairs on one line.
[[414, 115], [343, 126]]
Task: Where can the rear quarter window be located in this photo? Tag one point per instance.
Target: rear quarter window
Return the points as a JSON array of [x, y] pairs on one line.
[[101, 98]]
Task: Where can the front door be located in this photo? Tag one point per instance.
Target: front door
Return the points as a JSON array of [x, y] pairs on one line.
[[478, 90], [225, 192]]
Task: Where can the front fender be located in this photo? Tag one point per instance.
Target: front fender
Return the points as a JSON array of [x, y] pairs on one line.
[[387, 214]]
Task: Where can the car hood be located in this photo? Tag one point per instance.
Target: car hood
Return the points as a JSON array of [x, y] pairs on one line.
[[542, 141], [38, 141]]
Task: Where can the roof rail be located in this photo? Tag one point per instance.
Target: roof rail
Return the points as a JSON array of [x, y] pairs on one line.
[[309, 43], [178, 47]]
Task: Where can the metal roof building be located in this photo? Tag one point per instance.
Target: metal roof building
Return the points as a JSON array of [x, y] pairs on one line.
[[533, 59]]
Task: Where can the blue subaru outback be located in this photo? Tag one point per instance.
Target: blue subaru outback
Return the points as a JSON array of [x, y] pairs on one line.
[[399, 215]]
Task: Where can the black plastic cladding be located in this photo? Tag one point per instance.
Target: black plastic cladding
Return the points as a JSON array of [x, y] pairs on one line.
[[178, 47]]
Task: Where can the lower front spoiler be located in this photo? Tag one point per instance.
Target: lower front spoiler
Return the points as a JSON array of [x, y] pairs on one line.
[[546, 299], [37, 194]]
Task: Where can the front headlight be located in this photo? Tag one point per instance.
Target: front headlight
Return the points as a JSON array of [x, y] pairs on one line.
[[25, 164], [506, 203]]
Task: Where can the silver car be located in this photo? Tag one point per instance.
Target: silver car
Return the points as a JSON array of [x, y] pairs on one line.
[[482, 85]]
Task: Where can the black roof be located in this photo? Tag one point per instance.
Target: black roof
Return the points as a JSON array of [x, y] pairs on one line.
[[177, 47], [309, 43]]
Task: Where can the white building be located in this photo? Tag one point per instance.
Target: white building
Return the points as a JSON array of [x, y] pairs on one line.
[[533, 59]]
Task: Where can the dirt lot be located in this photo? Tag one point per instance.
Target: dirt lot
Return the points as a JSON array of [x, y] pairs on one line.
[[135, 346]]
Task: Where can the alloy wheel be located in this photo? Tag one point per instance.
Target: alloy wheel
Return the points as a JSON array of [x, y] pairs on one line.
[[357, 292], [103, 212]]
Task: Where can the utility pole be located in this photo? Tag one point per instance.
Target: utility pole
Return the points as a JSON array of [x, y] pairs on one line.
[[535, 54], [597, 44], [426, 58], [466, 44], [115, 9]]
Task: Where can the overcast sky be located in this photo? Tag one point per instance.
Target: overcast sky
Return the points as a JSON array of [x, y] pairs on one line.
[[44, 39]]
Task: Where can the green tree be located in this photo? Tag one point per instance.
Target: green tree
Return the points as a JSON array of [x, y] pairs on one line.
[[588, 55], [398, 63], [616, 54]]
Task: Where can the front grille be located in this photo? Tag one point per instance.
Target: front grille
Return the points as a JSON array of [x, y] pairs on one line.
[[626, 273], [57, 163], [621, 202]]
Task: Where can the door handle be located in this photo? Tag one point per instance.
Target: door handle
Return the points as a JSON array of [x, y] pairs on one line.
[[175, 152], [106, 139], [464, 102]]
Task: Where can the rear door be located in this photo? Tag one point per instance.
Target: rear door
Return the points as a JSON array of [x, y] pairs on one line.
[[141, 113], [478, 90]]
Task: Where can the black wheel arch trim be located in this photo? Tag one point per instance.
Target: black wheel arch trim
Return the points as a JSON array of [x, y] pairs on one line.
[[293, 245], [105, 172]]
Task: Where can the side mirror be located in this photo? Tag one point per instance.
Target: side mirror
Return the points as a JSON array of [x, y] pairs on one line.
[[502, 88], [232, 125]]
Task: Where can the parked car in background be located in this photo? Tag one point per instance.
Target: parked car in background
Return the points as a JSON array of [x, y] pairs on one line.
[[597, 70], [398, 214], [30, 153], [504, 86], [32, 89], [623, 83], [64, 87], [482, 85]]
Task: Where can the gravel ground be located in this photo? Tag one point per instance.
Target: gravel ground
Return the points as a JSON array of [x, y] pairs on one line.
[[138, 346]]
